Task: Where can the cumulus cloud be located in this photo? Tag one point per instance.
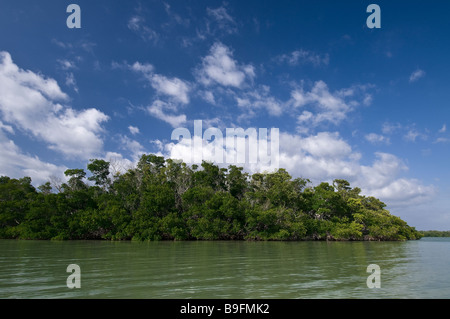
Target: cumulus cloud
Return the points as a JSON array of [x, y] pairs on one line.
[[118, 163], [208, 96], [12, 75], [32, 103], [171, 92], [219, 67], [382, 180], [15, 163], [234, 146], [403, 192], [159, 110], [326, 156], [133, 129], [7, 128], [173, 87], [330, 107], [259, 98], [320, 157], [132, 146], [382, 171], [416, 75]]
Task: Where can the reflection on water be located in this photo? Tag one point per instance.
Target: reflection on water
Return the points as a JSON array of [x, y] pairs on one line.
[[37, 269]]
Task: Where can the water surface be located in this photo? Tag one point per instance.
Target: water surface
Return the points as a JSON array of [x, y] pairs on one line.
[[225, 269]]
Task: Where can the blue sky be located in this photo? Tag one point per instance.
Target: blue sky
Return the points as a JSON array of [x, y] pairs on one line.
[[367, 105]]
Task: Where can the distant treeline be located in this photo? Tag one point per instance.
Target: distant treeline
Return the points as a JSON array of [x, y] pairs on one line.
[[163, 199], [435, 233]]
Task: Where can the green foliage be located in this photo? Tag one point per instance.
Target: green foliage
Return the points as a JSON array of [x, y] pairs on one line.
[[168, 200], [100, 172], [435, 233]]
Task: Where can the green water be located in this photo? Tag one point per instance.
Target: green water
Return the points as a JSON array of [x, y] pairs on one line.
[[37, 269]]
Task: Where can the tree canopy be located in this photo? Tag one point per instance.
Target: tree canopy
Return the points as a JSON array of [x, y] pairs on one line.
[[165, 199]]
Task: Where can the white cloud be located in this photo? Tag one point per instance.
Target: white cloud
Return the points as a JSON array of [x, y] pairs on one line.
[[119, 164], [176, 90], [402, 191], [6, 128], [409, 132], [31, 102], [259, 98], [377, 138], [326, 156], [382, 180], [382, 171], [416, 75], [175, 18], [303, 57], [117, 65], [145, 68], [71, 82], [134, 147], [305, 117], [63, 45], [159, 145], [319, 157], [441, 140], [219, 67], [390, 128], [443, 129], [66, 64], [331, 107], [133, 129], [17, 164], [326, 145], [173, 87], [413, 134], [137, 24], [70, 46], [223, 21], [158, 110], [368, 98], [224, 150], [208, 96], [181, 150], [74, 132], [27, 79]]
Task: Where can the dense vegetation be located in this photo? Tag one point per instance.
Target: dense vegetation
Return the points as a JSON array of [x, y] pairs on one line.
[[163, 199], [435, 233]]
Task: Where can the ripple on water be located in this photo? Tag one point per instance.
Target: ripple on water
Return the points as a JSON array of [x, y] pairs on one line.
[[36, 269]]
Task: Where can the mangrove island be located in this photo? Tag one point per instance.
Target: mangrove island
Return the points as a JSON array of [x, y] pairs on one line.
[[165, 199]]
